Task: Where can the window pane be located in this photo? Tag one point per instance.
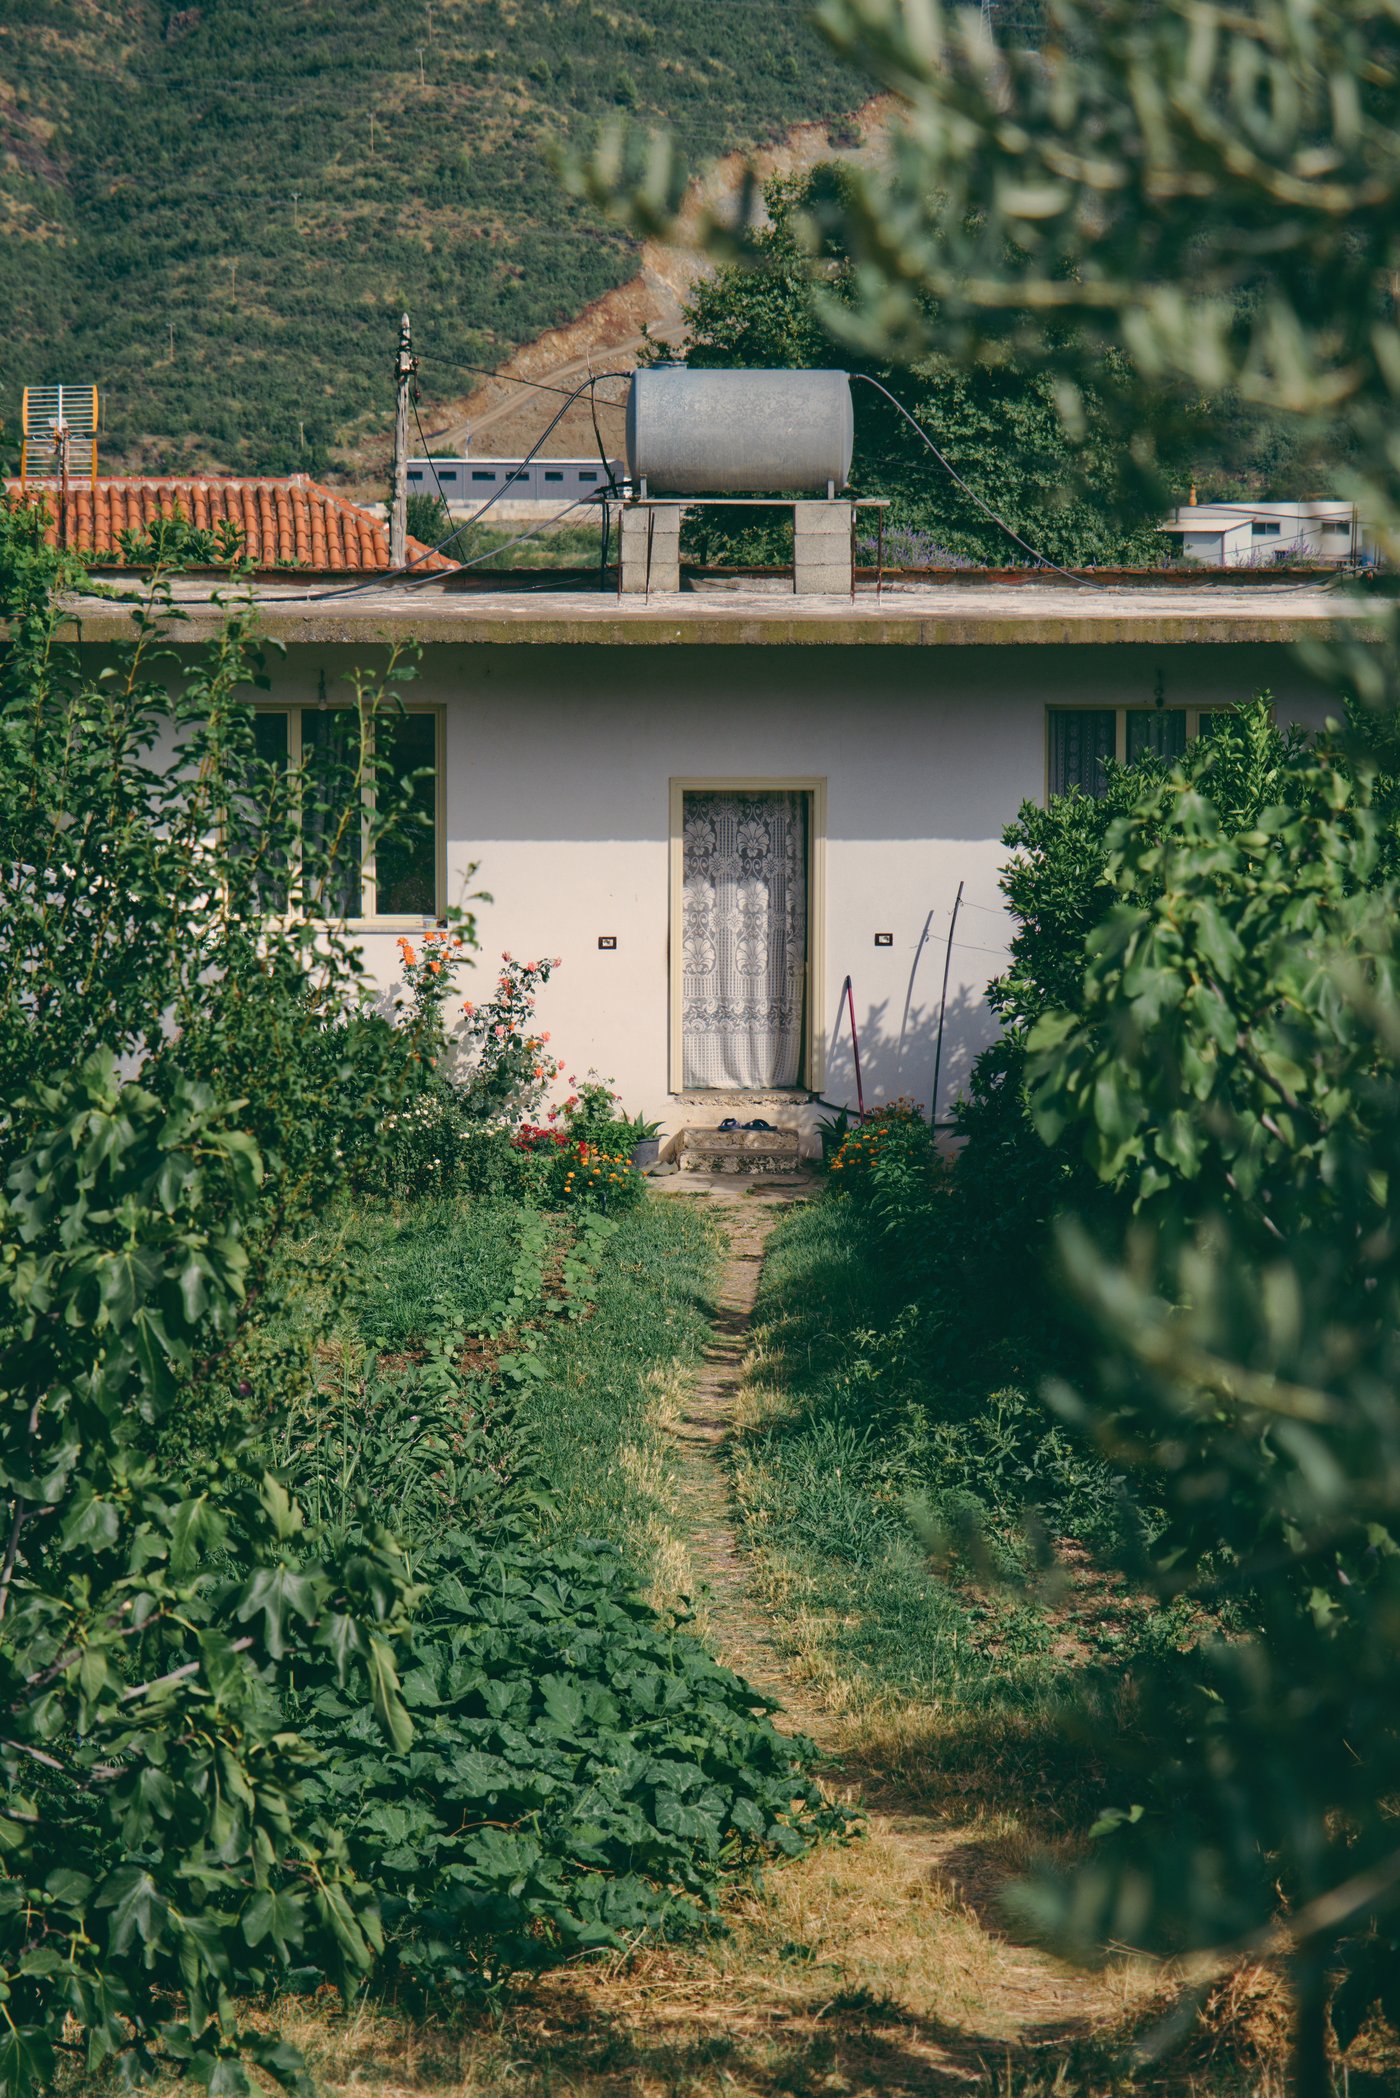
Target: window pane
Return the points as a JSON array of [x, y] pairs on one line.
[[270, 738], [1161, 732], [331, 818], [406, 861], [1080, 739], [269, 836]]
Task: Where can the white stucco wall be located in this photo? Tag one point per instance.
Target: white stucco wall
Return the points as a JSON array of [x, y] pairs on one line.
[[558, 764]]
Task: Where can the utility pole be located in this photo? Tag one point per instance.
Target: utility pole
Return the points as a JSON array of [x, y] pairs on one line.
[[404, 368], [62, 444]]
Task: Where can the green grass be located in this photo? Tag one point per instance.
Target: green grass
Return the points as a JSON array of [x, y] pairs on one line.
[[558, 546], [433, 1266], [365, 1295], [823, 1479], [596, 1415]]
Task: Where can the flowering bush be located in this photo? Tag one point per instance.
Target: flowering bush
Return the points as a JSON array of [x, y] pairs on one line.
[[592, 1114], [882, 1152], [422, 1146], [510, 1069], [586, 1176], [428, 978]]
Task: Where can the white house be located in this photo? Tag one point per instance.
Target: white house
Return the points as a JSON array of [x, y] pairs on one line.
[[1254, 535], [716, 806]]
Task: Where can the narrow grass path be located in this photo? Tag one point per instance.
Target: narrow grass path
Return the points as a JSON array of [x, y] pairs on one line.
[[908, 1917]]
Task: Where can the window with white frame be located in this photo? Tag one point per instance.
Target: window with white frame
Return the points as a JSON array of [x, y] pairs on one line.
[[398, 877], [1080, 739]]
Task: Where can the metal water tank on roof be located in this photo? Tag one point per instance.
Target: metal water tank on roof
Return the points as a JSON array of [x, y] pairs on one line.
[[730, 432]]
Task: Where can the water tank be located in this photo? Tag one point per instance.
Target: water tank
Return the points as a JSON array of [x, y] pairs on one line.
[[736, 432]]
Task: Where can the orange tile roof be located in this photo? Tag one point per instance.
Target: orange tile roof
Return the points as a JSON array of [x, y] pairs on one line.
[[285, 522]]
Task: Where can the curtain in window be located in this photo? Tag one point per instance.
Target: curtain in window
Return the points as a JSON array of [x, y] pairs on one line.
[[1161, 730], [1080, 739], [744, 938]]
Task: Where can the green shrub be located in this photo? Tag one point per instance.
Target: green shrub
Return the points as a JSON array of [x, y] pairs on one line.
[[163, 1854]]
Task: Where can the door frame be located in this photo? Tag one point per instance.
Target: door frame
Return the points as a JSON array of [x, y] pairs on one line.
[[814, 1032]]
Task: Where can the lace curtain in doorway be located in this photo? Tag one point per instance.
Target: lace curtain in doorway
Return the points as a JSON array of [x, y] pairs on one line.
[[745, 939]]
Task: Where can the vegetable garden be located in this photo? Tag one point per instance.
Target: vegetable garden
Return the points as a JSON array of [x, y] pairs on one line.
[[308, 1675]]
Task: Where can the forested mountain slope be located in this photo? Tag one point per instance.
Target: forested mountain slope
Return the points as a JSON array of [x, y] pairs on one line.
[[216, 212]]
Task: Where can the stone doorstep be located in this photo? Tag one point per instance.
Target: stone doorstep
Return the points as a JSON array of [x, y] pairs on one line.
[[740, 1150]]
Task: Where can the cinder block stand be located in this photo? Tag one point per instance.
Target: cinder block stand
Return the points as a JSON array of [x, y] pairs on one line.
[[649, 548], [823, 541], [823, 535]]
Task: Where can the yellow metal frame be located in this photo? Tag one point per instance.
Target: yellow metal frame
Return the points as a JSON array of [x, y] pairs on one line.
[[814, 1034], [27, 438]]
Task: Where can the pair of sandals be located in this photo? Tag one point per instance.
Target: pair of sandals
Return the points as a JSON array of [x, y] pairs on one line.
[[730, 1122]]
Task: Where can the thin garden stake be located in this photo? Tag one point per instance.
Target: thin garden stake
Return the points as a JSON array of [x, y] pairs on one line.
[[850, 998], [943, 1005]]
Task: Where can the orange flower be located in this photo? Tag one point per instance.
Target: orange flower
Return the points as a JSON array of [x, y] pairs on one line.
[[436, 968], [409, 957]]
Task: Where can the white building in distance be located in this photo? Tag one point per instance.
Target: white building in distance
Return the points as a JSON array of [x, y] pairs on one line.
[[526, 492], [1258, 535]]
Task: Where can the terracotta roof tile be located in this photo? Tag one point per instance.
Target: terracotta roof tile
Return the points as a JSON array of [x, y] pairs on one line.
[[294, 522]]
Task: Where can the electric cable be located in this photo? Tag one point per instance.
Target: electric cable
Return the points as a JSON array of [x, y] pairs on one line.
[[432, 462], [383, 577], [509, 378], [950, 469], [608, 482], [1327, 583], [608, 489], [597, 495]]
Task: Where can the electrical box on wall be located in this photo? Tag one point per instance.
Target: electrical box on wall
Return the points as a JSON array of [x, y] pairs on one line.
[[607, 939], [884, 939]]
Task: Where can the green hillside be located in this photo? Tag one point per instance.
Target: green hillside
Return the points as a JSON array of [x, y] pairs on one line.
[[217, 211]]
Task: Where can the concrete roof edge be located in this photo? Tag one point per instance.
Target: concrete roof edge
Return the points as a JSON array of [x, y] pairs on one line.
[[508, 626]]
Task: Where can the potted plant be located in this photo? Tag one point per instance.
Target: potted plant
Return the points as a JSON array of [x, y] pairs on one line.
[[833, 1131], [646, 1142]]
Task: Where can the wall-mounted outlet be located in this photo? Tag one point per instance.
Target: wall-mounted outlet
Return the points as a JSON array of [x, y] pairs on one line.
[[884, 939], [607, 939]]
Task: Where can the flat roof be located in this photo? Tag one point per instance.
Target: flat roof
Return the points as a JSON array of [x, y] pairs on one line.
[[920, 614]]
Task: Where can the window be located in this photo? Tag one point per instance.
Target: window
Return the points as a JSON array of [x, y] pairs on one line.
[[1160, 731], [1265, 528], [1080, 739], [339, 874], [587, 474], [479, 475], [447, 473], [415, 473], [549, 476]]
